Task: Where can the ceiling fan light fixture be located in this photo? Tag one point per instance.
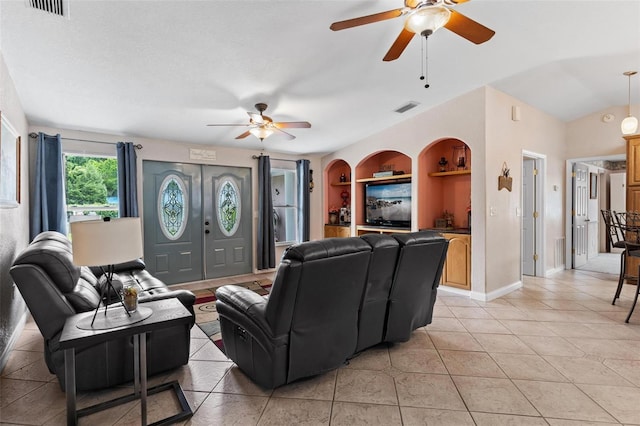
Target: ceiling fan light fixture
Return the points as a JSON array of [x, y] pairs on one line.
[[629, 125], [427, 19], [261, 132]]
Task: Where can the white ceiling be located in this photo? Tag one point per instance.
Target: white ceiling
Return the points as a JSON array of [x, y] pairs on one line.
[[165, 69]]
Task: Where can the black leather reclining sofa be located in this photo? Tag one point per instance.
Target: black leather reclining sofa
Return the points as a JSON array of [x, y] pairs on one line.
[[331, 299], [54, 289]]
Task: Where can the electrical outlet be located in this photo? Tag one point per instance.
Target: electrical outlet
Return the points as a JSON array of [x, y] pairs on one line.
[[493, 211]]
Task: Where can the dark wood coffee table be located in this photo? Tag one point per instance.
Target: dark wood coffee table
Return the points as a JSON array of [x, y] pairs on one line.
[[77, 335]]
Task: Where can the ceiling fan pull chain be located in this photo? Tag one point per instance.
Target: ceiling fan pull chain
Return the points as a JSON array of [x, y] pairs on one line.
[[426, 62], [422, 59]]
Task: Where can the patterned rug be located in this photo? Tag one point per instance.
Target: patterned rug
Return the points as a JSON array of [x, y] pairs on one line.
[[205, 308]]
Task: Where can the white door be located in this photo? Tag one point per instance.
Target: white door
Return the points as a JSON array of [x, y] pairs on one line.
[[579, 217], [593, 216], [529, 217]]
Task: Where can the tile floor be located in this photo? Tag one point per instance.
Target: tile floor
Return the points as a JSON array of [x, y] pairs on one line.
[[555, 352]]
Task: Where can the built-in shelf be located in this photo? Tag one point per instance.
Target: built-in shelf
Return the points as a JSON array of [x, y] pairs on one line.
[[451, 173], [376, 179], [365, 229], [341, 184]]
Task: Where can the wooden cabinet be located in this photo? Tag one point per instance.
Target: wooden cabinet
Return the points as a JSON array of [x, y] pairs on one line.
[[363, 229], [457, 268], [633, 189], [336, 231], [633, 166]]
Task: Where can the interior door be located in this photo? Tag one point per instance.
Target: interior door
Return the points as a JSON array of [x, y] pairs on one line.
[[580, 211], [528, 217], [227, 221], [172, 217]]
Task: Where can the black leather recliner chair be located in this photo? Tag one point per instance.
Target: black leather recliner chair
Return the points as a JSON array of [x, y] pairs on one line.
[[330, 299], [54, 289], [309, 322], [415, 283]]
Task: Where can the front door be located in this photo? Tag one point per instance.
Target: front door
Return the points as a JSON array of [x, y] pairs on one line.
[[580, 214], [197, 221], [227, 220]]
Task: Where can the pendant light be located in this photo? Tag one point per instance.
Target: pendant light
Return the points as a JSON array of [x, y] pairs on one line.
[[630, 124]]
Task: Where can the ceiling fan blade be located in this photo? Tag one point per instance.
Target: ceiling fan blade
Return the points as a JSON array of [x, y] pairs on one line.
[[287, 135], [399, 45], [256, 118], [292, 124], [244, 135], [229, 125], [363, 20], [468, 28]]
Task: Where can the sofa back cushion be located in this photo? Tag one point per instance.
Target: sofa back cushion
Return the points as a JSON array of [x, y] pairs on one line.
[[417, 276], [316, 296], [373, 307]]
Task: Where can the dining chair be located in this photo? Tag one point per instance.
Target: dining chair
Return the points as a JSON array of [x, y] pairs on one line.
[[616, 240], [628, 225]]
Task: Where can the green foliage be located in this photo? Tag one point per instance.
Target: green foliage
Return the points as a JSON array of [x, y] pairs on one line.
[[90, 180]]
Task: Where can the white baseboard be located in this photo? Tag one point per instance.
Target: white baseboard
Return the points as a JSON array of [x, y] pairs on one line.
[[453, 290], [486, 297], [4, 356], [550, 272]]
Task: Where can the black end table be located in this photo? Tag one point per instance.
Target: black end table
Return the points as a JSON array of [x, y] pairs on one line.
[[76, 335]]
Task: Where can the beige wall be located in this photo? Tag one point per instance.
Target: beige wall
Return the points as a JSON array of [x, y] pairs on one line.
[[461, 118], [482, 119], [178, 151], [590, 136], [535, 133], [14, 222]]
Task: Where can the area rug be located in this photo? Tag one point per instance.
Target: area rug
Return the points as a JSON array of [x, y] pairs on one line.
[[205, 308]]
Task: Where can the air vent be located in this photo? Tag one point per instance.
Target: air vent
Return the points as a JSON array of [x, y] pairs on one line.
[[406, 107], [56, 7]]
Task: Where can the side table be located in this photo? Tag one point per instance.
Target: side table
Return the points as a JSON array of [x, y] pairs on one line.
[[76, 335]]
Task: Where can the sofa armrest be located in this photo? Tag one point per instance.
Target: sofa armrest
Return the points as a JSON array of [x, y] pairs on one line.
[[245, 302], [184, 296]]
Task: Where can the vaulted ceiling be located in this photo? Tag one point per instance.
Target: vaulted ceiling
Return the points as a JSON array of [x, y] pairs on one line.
[[166, 69]]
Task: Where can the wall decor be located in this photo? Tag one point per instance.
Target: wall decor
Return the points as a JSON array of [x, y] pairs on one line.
[[9, 165], [504, 180], [593, 185]]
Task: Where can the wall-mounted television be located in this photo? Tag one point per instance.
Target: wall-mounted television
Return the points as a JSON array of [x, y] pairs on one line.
[[388, 204]]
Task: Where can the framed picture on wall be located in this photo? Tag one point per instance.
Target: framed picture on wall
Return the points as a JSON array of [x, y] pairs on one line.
[[593, 185], [9, 165]]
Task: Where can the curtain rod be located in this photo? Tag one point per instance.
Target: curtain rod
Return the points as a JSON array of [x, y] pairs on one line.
[[35, 135], [255, 157]]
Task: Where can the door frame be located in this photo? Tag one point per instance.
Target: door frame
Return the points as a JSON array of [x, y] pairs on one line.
[[568, 198], [540, 237]]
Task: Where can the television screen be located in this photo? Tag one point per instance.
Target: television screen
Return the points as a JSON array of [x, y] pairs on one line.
[[388, 204]]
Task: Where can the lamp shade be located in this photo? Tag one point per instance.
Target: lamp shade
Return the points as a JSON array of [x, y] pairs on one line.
[[427, 18], [629, 125], [98, 243], [261, 132]]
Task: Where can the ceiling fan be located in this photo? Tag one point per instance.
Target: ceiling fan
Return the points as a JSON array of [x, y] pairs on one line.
[[262, 126], [424, 17]]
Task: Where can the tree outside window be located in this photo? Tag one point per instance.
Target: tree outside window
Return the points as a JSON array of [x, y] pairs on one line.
[[91, 186]]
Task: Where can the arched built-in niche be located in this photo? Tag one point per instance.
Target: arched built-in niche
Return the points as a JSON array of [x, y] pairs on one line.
[[338, 179], [394, 162], [447, 188], [444, 187]]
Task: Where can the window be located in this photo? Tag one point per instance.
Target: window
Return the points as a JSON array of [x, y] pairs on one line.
[[91, 186], [284, 190]]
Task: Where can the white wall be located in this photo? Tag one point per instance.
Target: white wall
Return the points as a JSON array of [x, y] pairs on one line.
[[590, 136], [14, 222], [178, 151]]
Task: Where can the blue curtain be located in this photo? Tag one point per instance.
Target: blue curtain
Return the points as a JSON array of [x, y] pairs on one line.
[[266, 231], [48, 209], [127, 179], [302, 172]]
